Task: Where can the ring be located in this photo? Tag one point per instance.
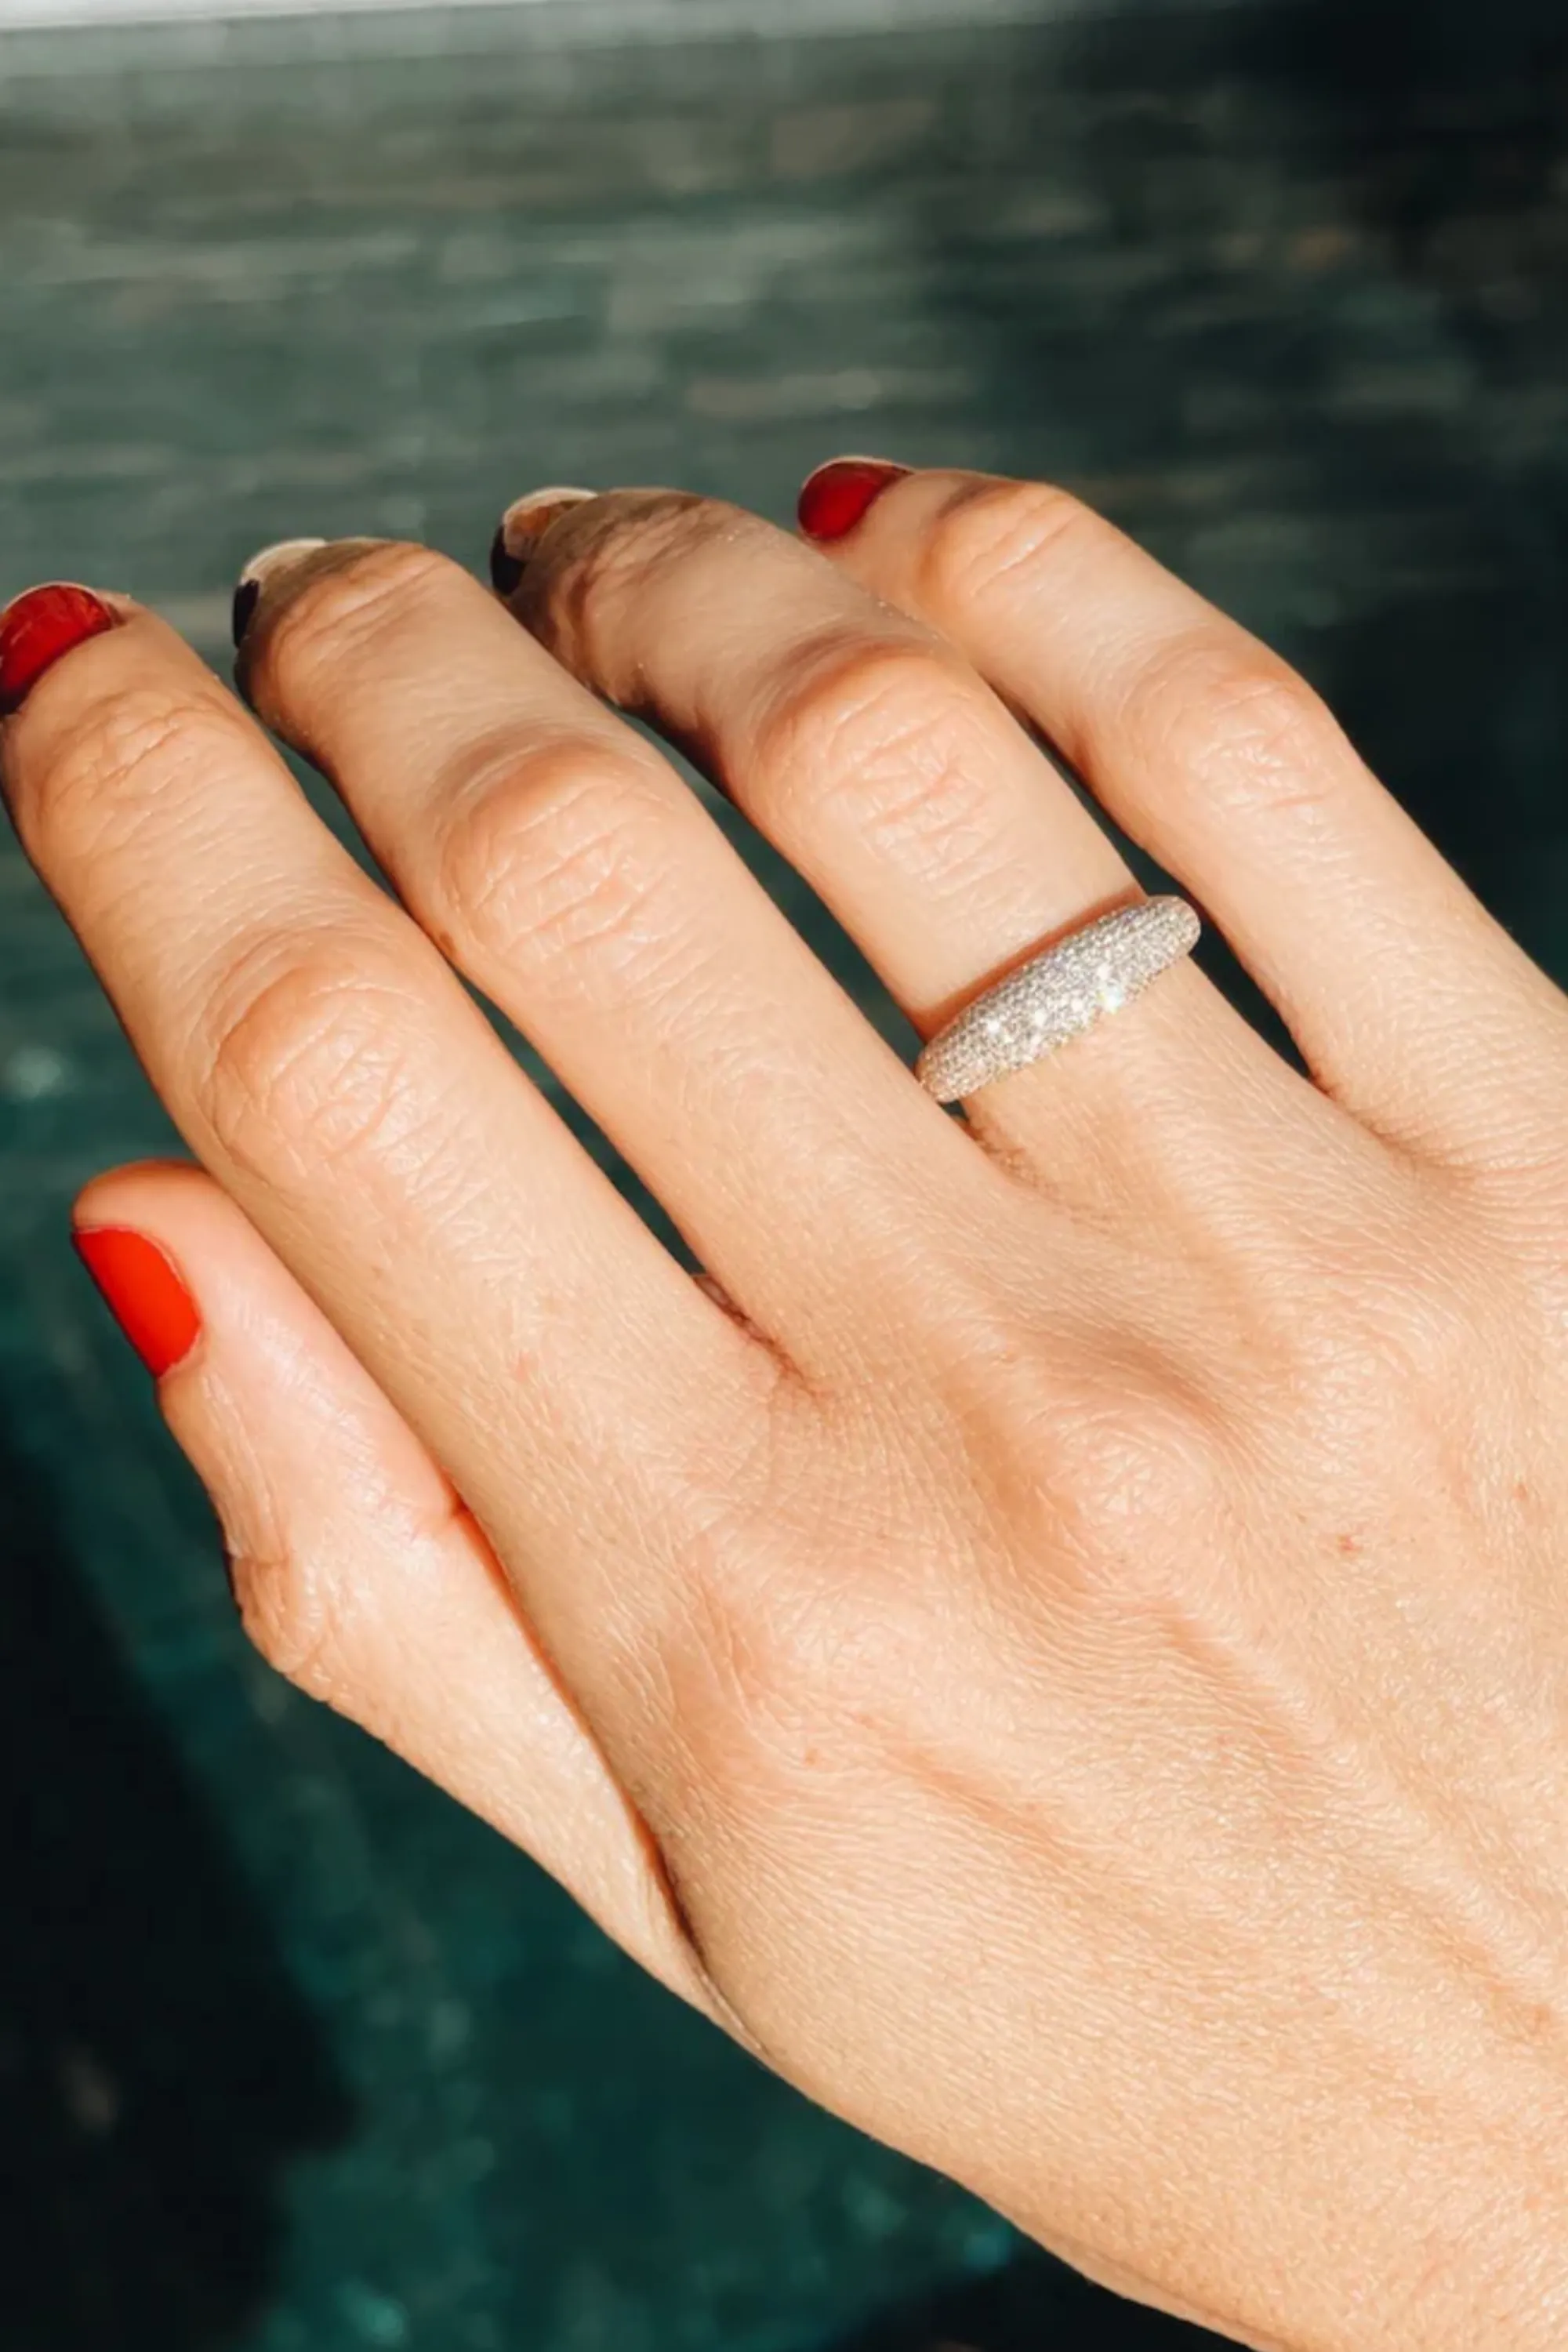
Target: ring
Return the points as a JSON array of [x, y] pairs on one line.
[[1058, 996]]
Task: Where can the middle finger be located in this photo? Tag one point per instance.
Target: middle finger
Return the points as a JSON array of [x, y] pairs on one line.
[[556, 859], [875, 757]]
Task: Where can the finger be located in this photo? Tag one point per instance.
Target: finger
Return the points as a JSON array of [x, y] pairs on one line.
[[358, 1571], [894, 779], [562, 864], [1409, 1002], [325, 1062]]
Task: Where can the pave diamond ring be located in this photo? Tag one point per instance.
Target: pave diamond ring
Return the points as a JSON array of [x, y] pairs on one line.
[[1058, 996]]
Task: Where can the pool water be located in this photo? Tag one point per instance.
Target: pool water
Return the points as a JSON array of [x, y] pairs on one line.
[[293, 2054]]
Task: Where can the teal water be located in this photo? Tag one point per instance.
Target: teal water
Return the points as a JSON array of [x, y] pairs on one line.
[[292, 2054]]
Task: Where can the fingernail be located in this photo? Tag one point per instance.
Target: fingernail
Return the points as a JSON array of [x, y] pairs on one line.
[[266, 565], [522, 526], [146, 1295], [37, 628], [839, 494]]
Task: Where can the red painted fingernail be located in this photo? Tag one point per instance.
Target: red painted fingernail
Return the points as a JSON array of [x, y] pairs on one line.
[[838, 494], [38, 628], [146, 1296]]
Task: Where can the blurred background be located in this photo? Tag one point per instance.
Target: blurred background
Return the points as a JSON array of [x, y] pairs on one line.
[[293, 2054]]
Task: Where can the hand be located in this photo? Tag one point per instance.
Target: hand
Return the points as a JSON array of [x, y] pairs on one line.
[[1061, 1642]]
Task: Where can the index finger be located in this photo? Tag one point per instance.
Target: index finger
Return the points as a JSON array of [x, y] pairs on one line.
[[323, 1061]]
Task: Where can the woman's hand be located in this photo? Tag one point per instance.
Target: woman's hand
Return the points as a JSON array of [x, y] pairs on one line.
[[1060, 1643]]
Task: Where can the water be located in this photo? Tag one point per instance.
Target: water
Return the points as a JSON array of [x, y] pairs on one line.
[[291, 2054]]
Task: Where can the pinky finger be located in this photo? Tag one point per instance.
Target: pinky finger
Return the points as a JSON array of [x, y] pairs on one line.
[[358, 1571]]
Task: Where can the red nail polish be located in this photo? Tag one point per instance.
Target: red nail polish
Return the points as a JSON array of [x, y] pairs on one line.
[[838, 494], [38, 628], [146, 1296]]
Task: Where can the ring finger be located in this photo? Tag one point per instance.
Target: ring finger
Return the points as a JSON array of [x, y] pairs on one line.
[[556, 859], [1411, 1007], [894, 779]]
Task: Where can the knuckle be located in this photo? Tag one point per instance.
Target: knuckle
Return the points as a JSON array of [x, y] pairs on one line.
[[1108, 1466], [998, 533], [1142, 1463], [1098, 1455], [773, 1666], [557, 852], [1141, 1503], [1235, 723], [345, 614], [304, 1056], [776, 1676], [883, 736], [755, 1659], [293, 1614], [114, 768]]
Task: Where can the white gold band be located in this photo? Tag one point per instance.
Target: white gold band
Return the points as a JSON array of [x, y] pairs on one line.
[[1058, 996]]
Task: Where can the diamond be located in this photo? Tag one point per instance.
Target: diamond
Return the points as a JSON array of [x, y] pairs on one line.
[[1057, 995]]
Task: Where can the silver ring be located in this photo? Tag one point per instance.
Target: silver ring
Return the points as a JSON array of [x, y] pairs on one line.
[[1058, 996]]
